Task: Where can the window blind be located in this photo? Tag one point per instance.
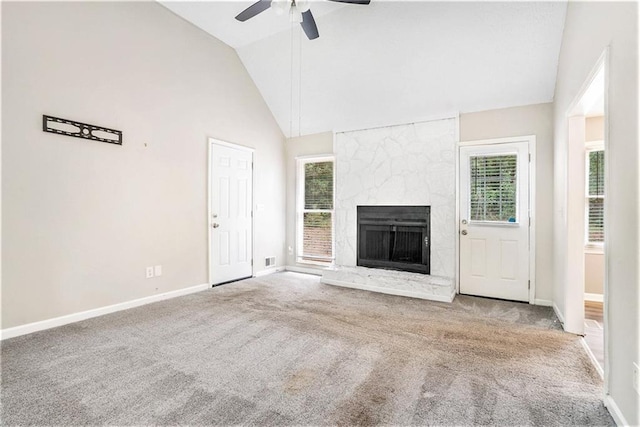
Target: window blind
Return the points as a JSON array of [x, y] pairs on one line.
[[317, 212], [596, 173], [595, 196], [318, 185], [493, 188]]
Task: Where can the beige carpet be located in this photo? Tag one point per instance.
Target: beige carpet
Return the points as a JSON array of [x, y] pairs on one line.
[[286, 350]]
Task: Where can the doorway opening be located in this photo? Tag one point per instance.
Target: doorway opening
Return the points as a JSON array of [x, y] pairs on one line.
[[586, 194]]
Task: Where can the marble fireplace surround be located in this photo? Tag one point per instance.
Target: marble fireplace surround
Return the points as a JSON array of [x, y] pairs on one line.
[[411, 165]]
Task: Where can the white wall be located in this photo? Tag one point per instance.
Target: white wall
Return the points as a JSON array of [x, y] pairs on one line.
[[401, 61], [519, 121], [594, 128], [589, 28], [413, 165], [593, 273], [81, 219], [308, 145]]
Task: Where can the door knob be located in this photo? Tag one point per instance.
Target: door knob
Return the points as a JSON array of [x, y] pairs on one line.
[[463, 232], [214, 225]]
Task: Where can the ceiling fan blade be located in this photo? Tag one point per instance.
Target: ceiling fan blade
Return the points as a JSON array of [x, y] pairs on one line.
[[353, 1], [309, 25], [256, 8]]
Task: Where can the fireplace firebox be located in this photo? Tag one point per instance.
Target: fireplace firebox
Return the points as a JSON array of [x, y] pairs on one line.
[[394, 237]]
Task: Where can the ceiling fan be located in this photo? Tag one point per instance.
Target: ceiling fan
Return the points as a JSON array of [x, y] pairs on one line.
[[298, 12]]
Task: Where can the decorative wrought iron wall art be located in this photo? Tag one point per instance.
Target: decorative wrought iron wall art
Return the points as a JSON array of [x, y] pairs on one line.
[[80, 130]]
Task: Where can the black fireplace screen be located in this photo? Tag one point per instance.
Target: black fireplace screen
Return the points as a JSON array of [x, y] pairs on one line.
[[394, 237]]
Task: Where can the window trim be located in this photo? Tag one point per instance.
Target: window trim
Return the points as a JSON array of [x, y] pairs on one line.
[[301, 161], [591, 146], [517, 222]]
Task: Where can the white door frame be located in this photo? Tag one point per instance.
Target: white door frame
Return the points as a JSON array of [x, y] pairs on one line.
[[531, 144], [210, 142], [574, 292]]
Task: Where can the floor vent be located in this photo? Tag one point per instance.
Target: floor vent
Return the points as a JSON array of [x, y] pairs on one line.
[[270, 261]]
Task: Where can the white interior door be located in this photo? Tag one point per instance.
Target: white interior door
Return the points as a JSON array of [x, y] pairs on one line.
[[494, 220], [231, 213]]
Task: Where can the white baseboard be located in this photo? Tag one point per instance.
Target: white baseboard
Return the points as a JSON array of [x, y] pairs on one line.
[[557, 311], [595, 362], [400, 292], [543, 302], [594, 297], [83, 315], [306, 270], [268, 271], [615, 412]]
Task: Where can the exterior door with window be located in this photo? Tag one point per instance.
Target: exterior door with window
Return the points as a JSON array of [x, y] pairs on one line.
[[494, 220], [231, 217]]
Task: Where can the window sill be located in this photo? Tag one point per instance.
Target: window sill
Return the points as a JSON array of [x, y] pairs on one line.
[[594, 249], [317, 264]]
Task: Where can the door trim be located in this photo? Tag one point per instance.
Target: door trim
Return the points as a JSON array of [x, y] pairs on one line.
[[210, 142], [573, 293], [531, 144]]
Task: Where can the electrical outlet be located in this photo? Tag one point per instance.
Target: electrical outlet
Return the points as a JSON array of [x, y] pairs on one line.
[[157, 270], [149, 272], [636, 387]]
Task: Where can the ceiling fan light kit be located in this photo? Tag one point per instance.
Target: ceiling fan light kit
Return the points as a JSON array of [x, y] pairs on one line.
[[301, 5], [299, 12], [280, 6]]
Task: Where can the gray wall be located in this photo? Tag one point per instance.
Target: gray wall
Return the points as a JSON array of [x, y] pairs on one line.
[[81, 220], [519, 121], [589, 28]]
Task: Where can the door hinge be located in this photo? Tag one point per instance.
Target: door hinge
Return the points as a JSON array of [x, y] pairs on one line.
[[251, 263], [529, 285], [529, 157]]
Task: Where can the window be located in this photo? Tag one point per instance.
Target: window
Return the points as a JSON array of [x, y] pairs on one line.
[[315, 212], [594, 215], [493, 188]]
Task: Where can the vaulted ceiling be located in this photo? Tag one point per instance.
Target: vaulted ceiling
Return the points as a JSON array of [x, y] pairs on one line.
[[391, 62]]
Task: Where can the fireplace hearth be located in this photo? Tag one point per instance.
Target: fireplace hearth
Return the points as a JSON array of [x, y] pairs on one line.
[[394, 237]]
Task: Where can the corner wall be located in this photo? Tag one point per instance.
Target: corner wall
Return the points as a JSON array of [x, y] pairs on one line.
[[519, 121], [82, 219], [589, 29]]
